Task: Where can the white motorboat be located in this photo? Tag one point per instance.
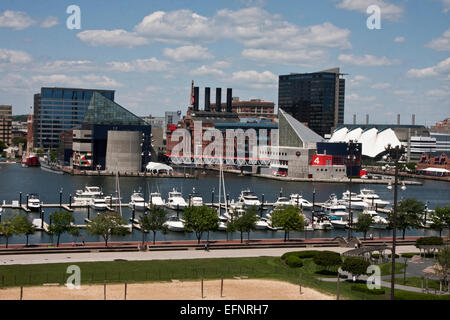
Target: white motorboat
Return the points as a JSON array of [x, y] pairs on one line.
[[249, 198], [83, 197], [222, 223], [137, 201], [332, 206], [425, 221], [176, 201], [98, 203], [155, 199], [269, 224], [371, 198], [195, 200], [353, 200], [261, 224], [33, 202], [338, 222], [298, 200], [322, 223], [174, 224], [380, 222], [282, 201]]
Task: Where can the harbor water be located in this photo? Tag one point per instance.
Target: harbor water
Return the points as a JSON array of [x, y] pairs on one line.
[[15, 179]]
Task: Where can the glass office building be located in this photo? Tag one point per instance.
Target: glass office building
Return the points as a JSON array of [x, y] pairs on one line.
[[57, 110], [316, 99]]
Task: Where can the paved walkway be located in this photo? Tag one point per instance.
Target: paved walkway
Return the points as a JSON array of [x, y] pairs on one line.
[[161, 255]]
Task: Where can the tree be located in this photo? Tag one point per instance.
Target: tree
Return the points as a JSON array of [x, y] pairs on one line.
[[289, 218], [107, 225], [75, 233], [441, 219], [356, 266], [18, 140], [245, 222], [443, 260], [61, 223], [200, 220], [153, 222], [7, 229], [24, 226], [327, 259], [364, 223], [409, 213], [3, 146]]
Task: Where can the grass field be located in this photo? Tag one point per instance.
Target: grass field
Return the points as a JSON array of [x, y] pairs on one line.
[[166, 270]]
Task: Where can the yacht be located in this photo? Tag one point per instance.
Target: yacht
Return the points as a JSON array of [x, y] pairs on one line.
[[174, 224], [338, 222], [222, 223], [195, 200], [98, 203], [297, 200], [156, 199], [249, 198], [332, 206], [138, 201], [282, 201], [380, 223], [371, 198], [357, 202], [261, 224], [322, 223], [33, 202], [83, 197], [176, 200]]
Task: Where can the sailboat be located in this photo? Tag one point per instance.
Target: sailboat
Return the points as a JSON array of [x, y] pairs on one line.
[[222, 219]]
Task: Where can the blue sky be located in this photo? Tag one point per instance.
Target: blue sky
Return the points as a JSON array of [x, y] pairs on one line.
[[149, 51]]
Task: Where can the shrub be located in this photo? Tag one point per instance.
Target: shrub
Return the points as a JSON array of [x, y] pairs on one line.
[[429, 241], [327, 259], [409, 254], [300, 254], [375, 255], [356, 266], [396, 256], [360, 287], [294, 262]]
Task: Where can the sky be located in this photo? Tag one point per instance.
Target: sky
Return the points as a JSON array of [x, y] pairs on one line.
[[150, 51]]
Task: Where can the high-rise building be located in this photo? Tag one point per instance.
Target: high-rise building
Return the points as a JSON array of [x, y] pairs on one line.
[[6, 123], [57, 110], [315, 99]]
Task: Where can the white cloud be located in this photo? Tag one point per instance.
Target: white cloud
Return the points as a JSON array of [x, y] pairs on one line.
[[289, 57], [442, 43], [382, 85], [446, 6], [356, 81], [357, 97], [49, 22], [207, 71], [138, 65], [438, 93], [389, 11], [403, 92], [89, 80], [112, 38], [400, 39], [188, 53], [367, 60], [255, 76], [64, 65], [17, 20], [442, 68], [14, 57]]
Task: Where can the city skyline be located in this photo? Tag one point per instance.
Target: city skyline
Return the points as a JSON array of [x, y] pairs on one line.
[[149, 52]]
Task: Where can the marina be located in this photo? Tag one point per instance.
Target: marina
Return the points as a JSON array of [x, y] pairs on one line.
[[59, 192]]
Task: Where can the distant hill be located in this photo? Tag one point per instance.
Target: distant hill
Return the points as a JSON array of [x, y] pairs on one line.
[[20, 117]]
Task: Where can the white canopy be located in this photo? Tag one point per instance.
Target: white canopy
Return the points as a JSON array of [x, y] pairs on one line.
[[440, 170], [152, 166]]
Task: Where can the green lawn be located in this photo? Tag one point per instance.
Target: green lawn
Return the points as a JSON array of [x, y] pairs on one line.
[[386, 268], [190, 269], [417, 282]]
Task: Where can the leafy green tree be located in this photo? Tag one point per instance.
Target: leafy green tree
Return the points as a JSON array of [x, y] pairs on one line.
[[53, 155], [24, 226], [364, 223], [8, 228], [18, 140], [409, 212], [61, 223], [107, 225], [3, 146], [200, 220], [356, 266], [153, 221], [75, 233], [244, 223], [441, 219], [443, 259], [289, 218]]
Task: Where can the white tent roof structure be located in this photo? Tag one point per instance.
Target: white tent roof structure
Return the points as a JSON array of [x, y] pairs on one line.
[[440, 170], [373, 141], [157, 166]]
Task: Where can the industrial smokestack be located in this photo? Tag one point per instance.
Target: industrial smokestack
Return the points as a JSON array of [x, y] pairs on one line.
[[354, 119], [219, 99], [229, 100], [398, 119], [207, 99], [413, 120], [196, 93], [367, 119]]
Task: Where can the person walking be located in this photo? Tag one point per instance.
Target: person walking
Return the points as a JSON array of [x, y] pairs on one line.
[[82, 240]]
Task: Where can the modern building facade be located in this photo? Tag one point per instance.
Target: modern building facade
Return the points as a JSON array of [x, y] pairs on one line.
[[315, 99], [57, 110], [6, 123]]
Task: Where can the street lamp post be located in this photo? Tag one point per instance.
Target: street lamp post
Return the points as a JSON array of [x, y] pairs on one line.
[[394, 154]]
